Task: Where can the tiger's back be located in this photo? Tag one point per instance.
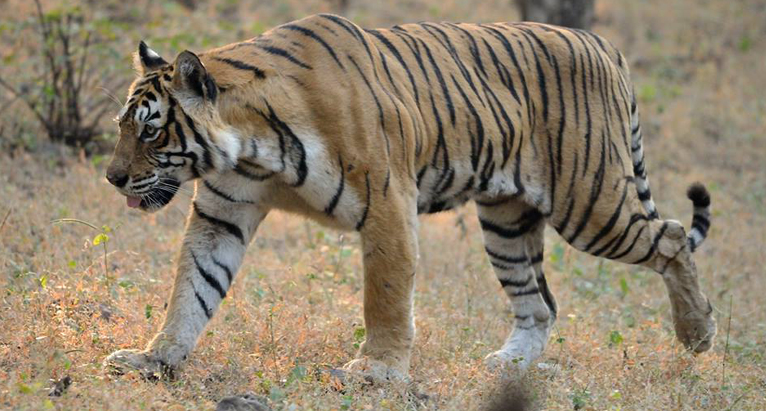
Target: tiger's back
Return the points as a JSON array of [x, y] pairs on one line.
[[468, 111]]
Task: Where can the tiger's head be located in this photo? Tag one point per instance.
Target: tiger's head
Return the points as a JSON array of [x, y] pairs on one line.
[[169, 130]]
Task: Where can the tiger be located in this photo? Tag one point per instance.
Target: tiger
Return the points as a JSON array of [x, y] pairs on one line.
[[365, 129]]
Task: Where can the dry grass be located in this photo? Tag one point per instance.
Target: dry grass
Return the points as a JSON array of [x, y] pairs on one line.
[[296, 305]]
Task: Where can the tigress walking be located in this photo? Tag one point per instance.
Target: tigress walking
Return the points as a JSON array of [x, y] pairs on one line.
[[364, 129]]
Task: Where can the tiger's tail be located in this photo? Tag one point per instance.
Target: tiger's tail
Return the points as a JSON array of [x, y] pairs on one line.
[[639, 166], [701, 218], [696, 192]]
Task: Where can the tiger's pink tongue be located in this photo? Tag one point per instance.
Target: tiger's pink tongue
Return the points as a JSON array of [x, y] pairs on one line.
[[133, 202]]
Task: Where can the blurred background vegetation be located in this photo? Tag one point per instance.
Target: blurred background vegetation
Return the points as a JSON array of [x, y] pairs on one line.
[[66, 63]]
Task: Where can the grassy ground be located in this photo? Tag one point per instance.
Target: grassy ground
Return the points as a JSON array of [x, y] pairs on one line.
[[295, 308]]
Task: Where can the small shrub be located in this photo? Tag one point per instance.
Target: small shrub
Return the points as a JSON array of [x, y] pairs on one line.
[[57, 97]]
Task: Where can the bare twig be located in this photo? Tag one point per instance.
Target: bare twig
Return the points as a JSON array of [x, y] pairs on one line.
[[30, 104], [8, 213], [75, 220], [740, 397], [726, 349]]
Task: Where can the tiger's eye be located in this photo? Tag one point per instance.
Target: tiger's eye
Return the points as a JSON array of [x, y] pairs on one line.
[[149, 129]]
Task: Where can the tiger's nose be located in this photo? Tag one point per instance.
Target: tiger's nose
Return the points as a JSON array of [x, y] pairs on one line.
[[117, 179]]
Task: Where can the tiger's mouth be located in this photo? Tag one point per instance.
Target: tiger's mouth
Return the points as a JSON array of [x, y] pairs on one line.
[[157, 197]]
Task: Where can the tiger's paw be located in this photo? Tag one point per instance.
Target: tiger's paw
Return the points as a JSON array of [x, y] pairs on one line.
[[148, 365], [370, 371], [696, 330], [507, 363], [524, 348]]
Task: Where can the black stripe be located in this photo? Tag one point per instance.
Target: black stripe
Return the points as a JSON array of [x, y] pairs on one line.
[[611, 223], [255, 177], [645, 195], [502, 72], [386, 42], [630, 248], [442, 83], [227, 270], [493, 263], [362, 220], [473, 47], [509, 50], [570, 207], [654, 244], [296, 146], [572, 70], [203, 305], [336, 198], [506, 258], [421, 174], [517, 284], [621, 238], [351, 28], [494, 202], [540, 44], [531, 291], [508, 233], [586, 100], [231, 228], [381, 116], [387, 183], [546, 294], [478, 145], [701, 225], [340, 21], [138, 187], [212, 281], [415, 50], [284, 53], [488, 169], [223, 195], [206, 155], [242, 66], [562, 119], [507, 143], [441, 143], [639, 169], [541, 79], [310, 33], [445, 42], [594, 193], [391, 81]]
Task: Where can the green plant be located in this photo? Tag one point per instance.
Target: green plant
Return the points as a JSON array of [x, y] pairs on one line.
[[102, 238], [359, 333]]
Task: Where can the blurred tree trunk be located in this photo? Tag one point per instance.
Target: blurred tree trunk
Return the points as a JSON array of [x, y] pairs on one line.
[[340, 6], [569, 13]]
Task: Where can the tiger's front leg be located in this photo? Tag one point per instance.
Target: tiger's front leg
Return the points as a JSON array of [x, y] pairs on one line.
[[217, 234], [389, 242]]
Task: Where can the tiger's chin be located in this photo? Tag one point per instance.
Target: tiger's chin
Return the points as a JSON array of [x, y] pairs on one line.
[[157, 198]]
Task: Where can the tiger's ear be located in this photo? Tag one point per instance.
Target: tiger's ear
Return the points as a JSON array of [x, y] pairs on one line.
[[146, 60], [191, 76]]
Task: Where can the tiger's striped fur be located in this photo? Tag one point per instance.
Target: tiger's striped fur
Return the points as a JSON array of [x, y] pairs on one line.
[[364, 129]]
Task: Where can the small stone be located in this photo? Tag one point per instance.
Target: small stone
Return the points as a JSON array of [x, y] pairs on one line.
[[61, 386], [245, 402]]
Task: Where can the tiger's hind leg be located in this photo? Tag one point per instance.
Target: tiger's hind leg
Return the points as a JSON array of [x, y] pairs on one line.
[[632, 237], [513, 239]]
